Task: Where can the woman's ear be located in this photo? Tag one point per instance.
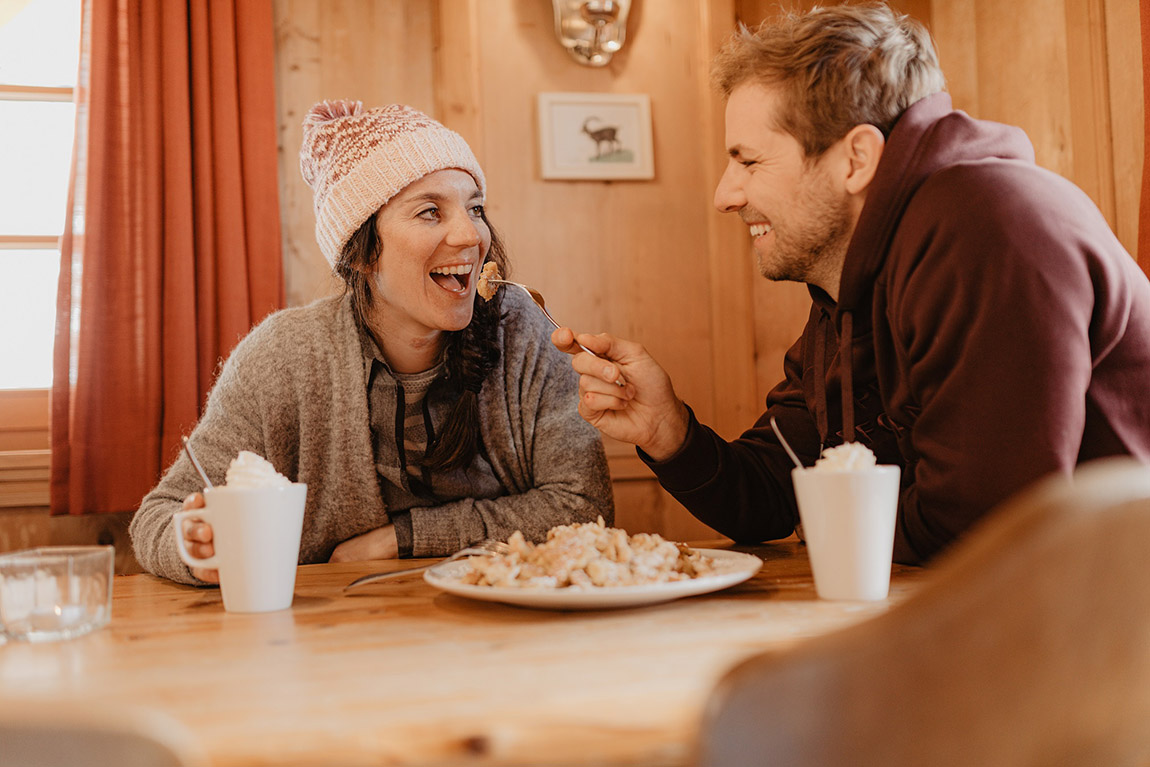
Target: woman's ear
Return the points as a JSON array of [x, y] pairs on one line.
[[863, 146]]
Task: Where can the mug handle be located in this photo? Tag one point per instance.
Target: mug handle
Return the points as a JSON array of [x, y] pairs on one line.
[[177, 525]]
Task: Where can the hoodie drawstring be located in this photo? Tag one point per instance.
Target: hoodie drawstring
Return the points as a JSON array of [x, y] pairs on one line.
[[846, 378], [846, 366], [821, 380]]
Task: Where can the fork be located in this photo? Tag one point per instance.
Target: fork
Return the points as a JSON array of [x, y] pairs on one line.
[[537, 297], [475, 549]]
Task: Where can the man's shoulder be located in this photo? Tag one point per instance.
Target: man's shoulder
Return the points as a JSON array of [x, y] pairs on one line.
[[993, 205]]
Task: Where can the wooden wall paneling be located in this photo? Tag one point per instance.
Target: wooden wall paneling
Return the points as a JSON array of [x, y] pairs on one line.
[[1023, 78], [24, 478], [1124, 65], [645, 507], [952, 25], [457, 71], [1088, 76], [24, 419], [781, 311], [377, 51], [734, 341]]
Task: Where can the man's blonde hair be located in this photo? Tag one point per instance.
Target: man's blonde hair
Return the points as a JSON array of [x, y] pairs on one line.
[[837, 67]]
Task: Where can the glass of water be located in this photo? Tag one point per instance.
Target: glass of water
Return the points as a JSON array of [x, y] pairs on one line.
[[55, 592]]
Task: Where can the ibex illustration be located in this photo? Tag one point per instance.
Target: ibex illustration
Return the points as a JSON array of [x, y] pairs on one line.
[[604, 135]]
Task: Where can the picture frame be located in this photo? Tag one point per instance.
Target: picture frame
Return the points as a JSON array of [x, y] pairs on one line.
[[595, 136]]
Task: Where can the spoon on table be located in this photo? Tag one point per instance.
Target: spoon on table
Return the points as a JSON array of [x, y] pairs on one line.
[[785, 444], [200, 469]]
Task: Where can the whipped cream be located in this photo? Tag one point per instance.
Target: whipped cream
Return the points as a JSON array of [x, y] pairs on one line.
[[249, 470], [849, 456]]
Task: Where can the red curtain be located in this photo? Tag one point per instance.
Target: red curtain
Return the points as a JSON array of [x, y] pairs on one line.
[[172, 249], [1144, 207]]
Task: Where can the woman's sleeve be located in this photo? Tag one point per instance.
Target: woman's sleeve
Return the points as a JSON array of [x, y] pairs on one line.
[[230, 423]]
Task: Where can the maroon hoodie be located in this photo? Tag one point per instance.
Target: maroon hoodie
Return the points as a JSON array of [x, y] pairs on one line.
[[990, 329]]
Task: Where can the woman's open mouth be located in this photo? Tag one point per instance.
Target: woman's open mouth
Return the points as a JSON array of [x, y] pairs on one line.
[[456, 279]]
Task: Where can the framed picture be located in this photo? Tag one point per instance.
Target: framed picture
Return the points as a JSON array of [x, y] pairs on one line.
[[595, 136]]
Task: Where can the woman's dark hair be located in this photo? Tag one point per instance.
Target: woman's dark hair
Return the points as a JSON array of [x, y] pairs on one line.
[[471, 352]]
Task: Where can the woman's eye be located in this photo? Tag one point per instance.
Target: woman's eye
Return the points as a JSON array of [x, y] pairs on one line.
[[477, 211], [429, 213]]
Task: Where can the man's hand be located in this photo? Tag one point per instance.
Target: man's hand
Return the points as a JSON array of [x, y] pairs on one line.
[[198, 539], [379, 543], [645, 412]]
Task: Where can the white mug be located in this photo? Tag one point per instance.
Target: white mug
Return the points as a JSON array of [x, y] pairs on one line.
[[256, 534], [848, 520]]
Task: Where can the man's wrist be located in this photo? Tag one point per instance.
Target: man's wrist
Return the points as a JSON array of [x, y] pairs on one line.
[[670, 435]]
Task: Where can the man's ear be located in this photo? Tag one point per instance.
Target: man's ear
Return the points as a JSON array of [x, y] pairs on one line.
[[863, 147]]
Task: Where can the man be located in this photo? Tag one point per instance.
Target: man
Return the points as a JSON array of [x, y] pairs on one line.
[[973, 318]]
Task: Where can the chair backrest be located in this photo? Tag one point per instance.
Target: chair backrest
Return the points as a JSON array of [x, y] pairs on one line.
[[60, 734], [1029, 644]]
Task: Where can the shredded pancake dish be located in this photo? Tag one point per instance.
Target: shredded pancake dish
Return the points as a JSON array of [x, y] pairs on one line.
[[485, 289], [586, 556]]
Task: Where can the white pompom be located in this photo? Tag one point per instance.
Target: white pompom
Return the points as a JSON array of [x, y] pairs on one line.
[[331, 110]]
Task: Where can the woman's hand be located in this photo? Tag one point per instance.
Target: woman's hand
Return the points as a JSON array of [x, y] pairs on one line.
[[645, 412], [198, 539], [379, 543]]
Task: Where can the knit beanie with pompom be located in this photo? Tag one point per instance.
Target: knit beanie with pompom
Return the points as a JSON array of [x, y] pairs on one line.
[[356, 160]]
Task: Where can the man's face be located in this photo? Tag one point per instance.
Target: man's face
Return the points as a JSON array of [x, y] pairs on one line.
[[797, 212]]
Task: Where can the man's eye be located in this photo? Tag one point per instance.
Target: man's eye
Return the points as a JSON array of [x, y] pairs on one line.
[[747, 163]]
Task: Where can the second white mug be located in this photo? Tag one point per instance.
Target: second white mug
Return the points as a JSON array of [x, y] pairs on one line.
[[848, 520]]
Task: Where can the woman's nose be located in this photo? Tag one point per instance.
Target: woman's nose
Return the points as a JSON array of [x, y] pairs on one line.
[[463, 233], [729, 195]]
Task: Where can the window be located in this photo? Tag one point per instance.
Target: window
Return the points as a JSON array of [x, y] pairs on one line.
[[39, 56]]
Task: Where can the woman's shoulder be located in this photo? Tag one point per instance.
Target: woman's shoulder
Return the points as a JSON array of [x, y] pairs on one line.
[[520, 312], [296, 331], [526, 335], [297, 323]]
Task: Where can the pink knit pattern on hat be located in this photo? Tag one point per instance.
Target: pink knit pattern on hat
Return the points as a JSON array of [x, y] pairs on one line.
[[356, 160]]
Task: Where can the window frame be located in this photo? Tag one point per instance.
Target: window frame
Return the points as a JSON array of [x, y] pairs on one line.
[[25, 447]]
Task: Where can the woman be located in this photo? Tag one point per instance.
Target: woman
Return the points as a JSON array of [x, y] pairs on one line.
[[421, 417]]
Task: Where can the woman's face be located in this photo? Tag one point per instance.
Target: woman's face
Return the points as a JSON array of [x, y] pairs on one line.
[[434, 241]]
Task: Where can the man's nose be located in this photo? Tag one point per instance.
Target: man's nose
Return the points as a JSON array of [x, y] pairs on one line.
[[729, 195]]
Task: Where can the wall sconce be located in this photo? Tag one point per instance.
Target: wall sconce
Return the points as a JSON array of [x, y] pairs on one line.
[[591, 30]]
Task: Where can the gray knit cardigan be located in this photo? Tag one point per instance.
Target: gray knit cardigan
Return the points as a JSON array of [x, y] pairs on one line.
[[294, 391]]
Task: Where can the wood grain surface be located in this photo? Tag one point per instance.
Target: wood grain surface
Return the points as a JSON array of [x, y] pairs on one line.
[[399, 673]]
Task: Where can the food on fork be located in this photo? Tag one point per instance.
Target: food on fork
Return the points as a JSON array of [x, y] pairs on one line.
[[483, 287], [849, 456], [588, 555], [250, 470]]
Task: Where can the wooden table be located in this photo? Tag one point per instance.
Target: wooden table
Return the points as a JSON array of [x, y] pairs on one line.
[[400, 673]]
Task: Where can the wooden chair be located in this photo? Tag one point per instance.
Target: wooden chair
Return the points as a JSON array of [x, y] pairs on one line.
[[59, 734], [1029, 644]]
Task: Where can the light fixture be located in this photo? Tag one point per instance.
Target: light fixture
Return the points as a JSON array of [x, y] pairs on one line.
[[591, 30]]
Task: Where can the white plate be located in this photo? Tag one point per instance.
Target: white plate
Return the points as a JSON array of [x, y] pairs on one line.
[[735, 567]]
